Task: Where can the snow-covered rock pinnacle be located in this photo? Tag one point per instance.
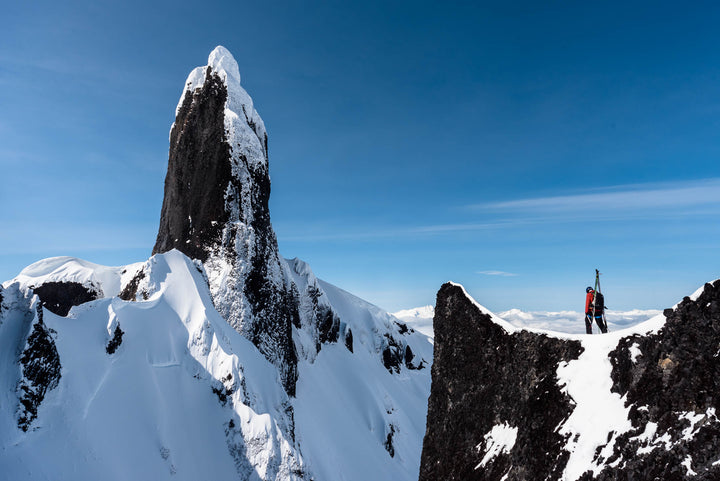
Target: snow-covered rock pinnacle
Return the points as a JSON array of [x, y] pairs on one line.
[[215, 209], [215, 358]]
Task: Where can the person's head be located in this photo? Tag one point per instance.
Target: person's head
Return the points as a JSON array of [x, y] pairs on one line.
[[589, 289]]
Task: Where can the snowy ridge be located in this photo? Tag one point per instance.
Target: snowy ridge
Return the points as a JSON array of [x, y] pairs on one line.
[[651, 325], [183, 386], [509, 328], [569, 322], [638, 402], [313, 305], [349, 407], [354, 416], [70, 269], [239, 109], [588, 382]]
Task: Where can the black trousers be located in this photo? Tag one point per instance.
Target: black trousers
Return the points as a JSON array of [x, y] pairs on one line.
[[598, 319]]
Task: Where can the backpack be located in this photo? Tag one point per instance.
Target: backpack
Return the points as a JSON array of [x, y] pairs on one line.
[[599, 303]]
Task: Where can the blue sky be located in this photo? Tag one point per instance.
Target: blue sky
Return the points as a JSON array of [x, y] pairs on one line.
[[511, 147]]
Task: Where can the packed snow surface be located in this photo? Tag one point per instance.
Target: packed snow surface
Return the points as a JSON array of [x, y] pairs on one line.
[[598, 410]]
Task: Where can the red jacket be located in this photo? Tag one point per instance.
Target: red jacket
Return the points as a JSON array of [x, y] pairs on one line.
[[589, 302]]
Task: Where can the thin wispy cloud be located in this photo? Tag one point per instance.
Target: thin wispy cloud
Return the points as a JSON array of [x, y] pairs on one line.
[[497, 273], [625, 202], [380, 233], [628, 198]]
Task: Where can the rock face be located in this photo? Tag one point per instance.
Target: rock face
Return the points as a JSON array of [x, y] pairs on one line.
[[215, 209], [59, 297], [483, 377], [40, 366], [671, 381], [509, 404]]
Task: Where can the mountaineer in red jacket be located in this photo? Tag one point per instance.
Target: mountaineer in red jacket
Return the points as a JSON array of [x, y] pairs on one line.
[[594, 307]]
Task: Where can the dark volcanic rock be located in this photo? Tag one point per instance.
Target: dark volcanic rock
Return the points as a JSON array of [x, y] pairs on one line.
[[328, 325], [59, 297], [130, 290], [215, 209], [393, 354], [668, 379], [349, 339], [40, 365], [484, 377], [673, 380], [116, 340], [193, 212], [389, 447]]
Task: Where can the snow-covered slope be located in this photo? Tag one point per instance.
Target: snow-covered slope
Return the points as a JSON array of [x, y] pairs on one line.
[[183, 395], [360, 414], [180, 394], [216, 358], [527, 403]]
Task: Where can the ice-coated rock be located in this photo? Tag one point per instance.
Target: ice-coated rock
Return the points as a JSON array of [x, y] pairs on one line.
[[215, 209]]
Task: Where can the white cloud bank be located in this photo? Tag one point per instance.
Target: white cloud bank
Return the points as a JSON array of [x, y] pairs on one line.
[[571, 322]]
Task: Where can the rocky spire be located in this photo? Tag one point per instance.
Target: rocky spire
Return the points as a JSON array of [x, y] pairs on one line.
[[215, 209]]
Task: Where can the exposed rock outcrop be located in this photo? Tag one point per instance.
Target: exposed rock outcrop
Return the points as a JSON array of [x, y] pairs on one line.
[[509, 404], [484, 377], [130, 291], [59, 297], [215, 209], [671, 380], [40, 366]]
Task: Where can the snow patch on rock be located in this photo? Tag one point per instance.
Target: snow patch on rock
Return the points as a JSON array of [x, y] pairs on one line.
[[499, 440]]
